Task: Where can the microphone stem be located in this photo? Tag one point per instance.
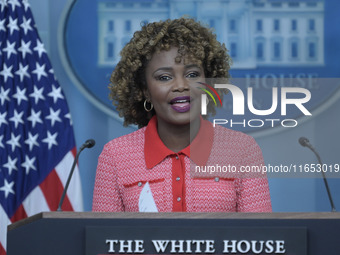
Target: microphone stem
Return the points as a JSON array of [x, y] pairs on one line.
[[69, 179], [324, 179]]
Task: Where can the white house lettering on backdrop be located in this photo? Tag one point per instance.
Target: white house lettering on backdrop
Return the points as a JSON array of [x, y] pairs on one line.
[[269, 80], [197, 246]]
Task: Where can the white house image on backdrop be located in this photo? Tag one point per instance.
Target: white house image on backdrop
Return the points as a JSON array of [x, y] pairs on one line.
[[258, 33]]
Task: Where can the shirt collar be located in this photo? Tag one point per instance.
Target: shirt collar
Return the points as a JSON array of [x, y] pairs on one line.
[[155, 150]]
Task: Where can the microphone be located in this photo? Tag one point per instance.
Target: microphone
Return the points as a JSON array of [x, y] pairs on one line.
[[305, 143], [88, 144]]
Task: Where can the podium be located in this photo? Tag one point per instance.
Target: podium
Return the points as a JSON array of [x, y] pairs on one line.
[[90, 233]]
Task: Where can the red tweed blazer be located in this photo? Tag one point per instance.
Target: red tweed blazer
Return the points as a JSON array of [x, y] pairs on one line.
[[128, 162]]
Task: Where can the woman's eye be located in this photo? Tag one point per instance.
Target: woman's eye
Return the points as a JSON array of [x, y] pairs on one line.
[[163, 78], [193, 75]]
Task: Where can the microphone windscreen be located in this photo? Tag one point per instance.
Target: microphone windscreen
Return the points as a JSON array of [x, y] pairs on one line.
[[90, 143], [303, 141]]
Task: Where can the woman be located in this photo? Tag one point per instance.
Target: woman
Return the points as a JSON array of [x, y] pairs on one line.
[[156, 85]]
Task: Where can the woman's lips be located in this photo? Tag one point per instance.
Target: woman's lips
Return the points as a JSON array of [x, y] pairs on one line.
[[181, 104], [181, 107]]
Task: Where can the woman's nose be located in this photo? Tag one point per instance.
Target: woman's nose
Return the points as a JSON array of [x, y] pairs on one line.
[[181, 84]]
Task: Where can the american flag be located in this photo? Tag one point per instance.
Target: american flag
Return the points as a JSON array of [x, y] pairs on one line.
[[37, 145]]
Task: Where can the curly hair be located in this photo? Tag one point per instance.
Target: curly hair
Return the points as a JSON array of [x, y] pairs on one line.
[[193, 40]]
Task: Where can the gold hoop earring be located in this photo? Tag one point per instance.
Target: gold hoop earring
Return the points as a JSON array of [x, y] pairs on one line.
[[146, 109]]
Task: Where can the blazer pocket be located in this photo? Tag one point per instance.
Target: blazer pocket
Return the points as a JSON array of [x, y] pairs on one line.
[[133, 189]]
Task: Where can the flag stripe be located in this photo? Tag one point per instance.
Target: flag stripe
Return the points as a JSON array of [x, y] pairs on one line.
[[74, 192], [35, 202], [2, 250], [52, 189], [19, 214], [4, 221], [64, 167], [74, 152]]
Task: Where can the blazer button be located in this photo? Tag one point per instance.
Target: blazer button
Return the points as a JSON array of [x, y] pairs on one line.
[[217, 179], [140, 184]]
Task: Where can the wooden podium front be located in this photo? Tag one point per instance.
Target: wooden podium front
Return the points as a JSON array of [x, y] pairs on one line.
[[89, 233]]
